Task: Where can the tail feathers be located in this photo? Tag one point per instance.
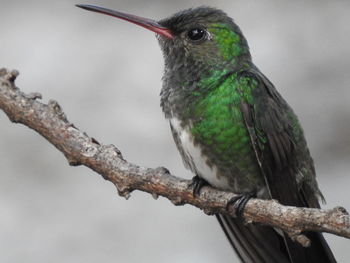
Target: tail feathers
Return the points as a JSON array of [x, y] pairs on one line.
[[253, 244], [262, 244], [318, 251]]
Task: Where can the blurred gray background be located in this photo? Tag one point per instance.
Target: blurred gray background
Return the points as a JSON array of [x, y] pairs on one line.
[[106, 74]]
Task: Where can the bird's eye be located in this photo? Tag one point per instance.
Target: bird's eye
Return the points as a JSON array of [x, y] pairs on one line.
[[196, 34]]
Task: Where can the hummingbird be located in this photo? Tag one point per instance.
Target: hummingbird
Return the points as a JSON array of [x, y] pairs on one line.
[[233, 129]]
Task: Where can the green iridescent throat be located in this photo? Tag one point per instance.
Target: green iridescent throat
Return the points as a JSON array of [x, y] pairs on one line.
[[219, 123]]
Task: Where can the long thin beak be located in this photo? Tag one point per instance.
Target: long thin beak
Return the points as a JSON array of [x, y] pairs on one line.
[[141, 21]]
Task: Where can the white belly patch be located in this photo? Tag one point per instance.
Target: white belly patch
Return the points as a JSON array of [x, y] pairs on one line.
[[199, 161]]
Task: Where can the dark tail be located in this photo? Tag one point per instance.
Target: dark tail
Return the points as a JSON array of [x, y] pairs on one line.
[[262, 244]]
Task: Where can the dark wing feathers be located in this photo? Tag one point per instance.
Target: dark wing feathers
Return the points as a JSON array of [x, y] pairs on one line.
[[268, 122], [272, 121], [276, 146]]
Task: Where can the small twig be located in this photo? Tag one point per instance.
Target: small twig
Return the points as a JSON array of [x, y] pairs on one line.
[[79, 149]]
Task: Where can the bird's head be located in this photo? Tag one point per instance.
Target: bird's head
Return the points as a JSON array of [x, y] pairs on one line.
[[205, 36], [200, 37]]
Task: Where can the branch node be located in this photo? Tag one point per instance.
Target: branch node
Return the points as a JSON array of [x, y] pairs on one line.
[[341, 210], [89, 150], [93, 140], [208, 211], [124, 191], [302, 240], [10, 76], [162, 170], [115, 151], [57, 109], [177, 201], [72, 161], [155, 196], [34, 96]]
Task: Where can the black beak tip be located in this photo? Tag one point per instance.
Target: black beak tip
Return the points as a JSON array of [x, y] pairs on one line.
[[82, 6], [87, 7]]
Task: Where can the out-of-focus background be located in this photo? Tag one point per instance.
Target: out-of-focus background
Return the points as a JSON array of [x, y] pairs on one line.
[[106, 74]]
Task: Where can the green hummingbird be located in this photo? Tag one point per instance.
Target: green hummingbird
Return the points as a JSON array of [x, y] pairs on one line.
[[233, 129]]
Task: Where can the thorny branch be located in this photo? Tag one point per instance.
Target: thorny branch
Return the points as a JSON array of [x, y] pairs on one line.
[[50, 121]]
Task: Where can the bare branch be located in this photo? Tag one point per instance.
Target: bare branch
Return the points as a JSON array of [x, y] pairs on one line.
[[79, 149]]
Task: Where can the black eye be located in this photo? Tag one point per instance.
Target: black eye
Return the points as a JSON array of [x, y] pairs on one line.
[[196, 34]]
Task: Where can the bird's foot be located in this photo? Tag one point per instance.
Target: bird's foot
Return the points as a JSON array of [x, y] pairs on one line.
[[197, 184], [239, 202]]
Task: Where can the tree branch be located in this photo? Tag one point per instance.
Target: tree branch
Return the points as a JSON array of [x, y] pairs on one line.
[[80, 149]]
